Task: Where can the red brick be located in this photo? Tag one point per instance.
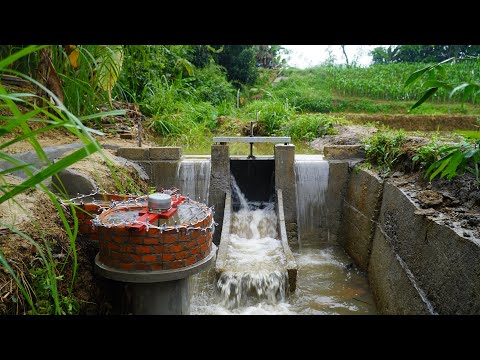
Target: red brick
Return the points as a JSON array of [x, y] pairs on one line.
[[93, 236], [142, 267], [122, 230], [191, 244], [84, 229], [157, 266], [202, 240], [181, 255], [152, 232], [195, 250], [169, 238], [194, 234], [135, 258], [135, 239], [150, 241], [160, 249], [118, 239], [149, 258], [90, 207], [168, 257], [125, 266], [175, 248], [204, 247], [127, 248], [176, 264], [144, 249], [191, 260], [112, 246]]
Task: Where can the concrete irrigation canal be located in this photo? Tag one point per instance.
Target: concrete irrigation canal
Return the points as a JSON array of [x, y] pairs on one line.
[[278, 234]]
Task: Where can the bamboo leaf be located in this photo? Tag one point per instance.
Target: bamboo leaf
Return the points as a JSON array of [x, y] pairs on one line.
[[451, 169], [425, 97], [416, 74]]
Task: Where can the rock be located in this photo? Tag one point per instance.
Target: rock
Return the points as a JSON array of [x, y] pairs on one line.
[[428, 211], [473, 221], [397, 174], [73, 182], [466, 234], [429, 198]]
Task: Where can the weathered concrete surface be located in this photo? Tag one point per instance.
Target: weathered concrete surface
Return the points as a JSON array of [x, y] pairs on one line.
[[285, 180], [292, 268], [219, 183], [73, 182], [165, 153], [225, 237], [444, 262], [164, 173], [337, 183], [361, 206], [151, 153], [31, 157], [392, 289], [133, 153], [163, 298], [341, 152]]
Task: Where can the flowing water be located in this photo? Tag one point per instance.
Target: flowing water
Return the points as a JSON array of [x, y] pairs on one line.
[[311, 175], [194, 177], [327, 281]]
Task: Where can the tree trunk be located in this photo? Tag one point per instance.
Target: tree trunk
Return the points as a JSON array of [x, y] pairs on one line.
[[345, 54], [48, 76]]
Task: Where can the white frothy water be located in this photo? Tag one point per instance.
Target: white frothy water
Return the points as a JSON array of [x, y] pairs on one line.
[[311, 173], [194, 177], [255, 262]]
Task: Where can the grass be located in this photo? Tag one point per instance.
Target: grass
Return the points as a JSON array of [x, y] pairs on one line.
[[51, 114], [383, 149], [378, 89]]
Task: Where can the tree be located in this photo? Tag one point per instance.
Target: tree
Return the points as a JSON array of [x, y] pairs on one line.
[[239, 61], [422, 53], [345, 54]]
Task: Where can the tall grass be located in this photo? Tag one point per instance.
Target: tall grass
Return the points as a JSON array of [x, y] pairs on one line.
[[52, 115]]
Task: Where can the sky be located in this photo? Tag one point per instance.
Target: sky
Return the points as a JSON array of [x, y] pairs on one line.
[[303, 56]]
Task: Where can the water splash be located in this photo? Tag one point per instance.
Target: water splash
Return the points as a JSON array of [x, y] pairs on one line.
[[236, 192], [255, 264]]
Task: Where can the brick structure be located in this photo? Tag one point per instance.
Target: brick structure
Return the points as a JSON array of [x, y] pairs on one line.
[[86, 212], [129, 249]]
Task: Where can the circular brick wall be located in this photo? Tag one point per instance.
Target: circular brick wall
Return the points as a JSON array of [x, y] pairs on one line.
[[130, 249], [86, 211]]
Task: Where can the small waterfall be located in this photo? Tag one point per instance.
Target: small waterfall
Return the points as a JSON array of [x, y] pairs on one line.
[[311, 173], [194, 178], [255, 263]]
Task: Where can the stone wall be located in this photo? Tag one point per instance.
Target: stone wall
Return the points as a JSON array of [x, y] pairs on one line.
[[415, 264]]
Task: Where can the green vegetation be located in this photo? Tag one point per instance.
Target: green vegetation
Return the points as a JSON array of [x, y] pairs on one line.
[[383, 149], [188, 93], [310, 126], [457, 159], [427, 154], [19, 112], [421, 53], [378, 88]]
